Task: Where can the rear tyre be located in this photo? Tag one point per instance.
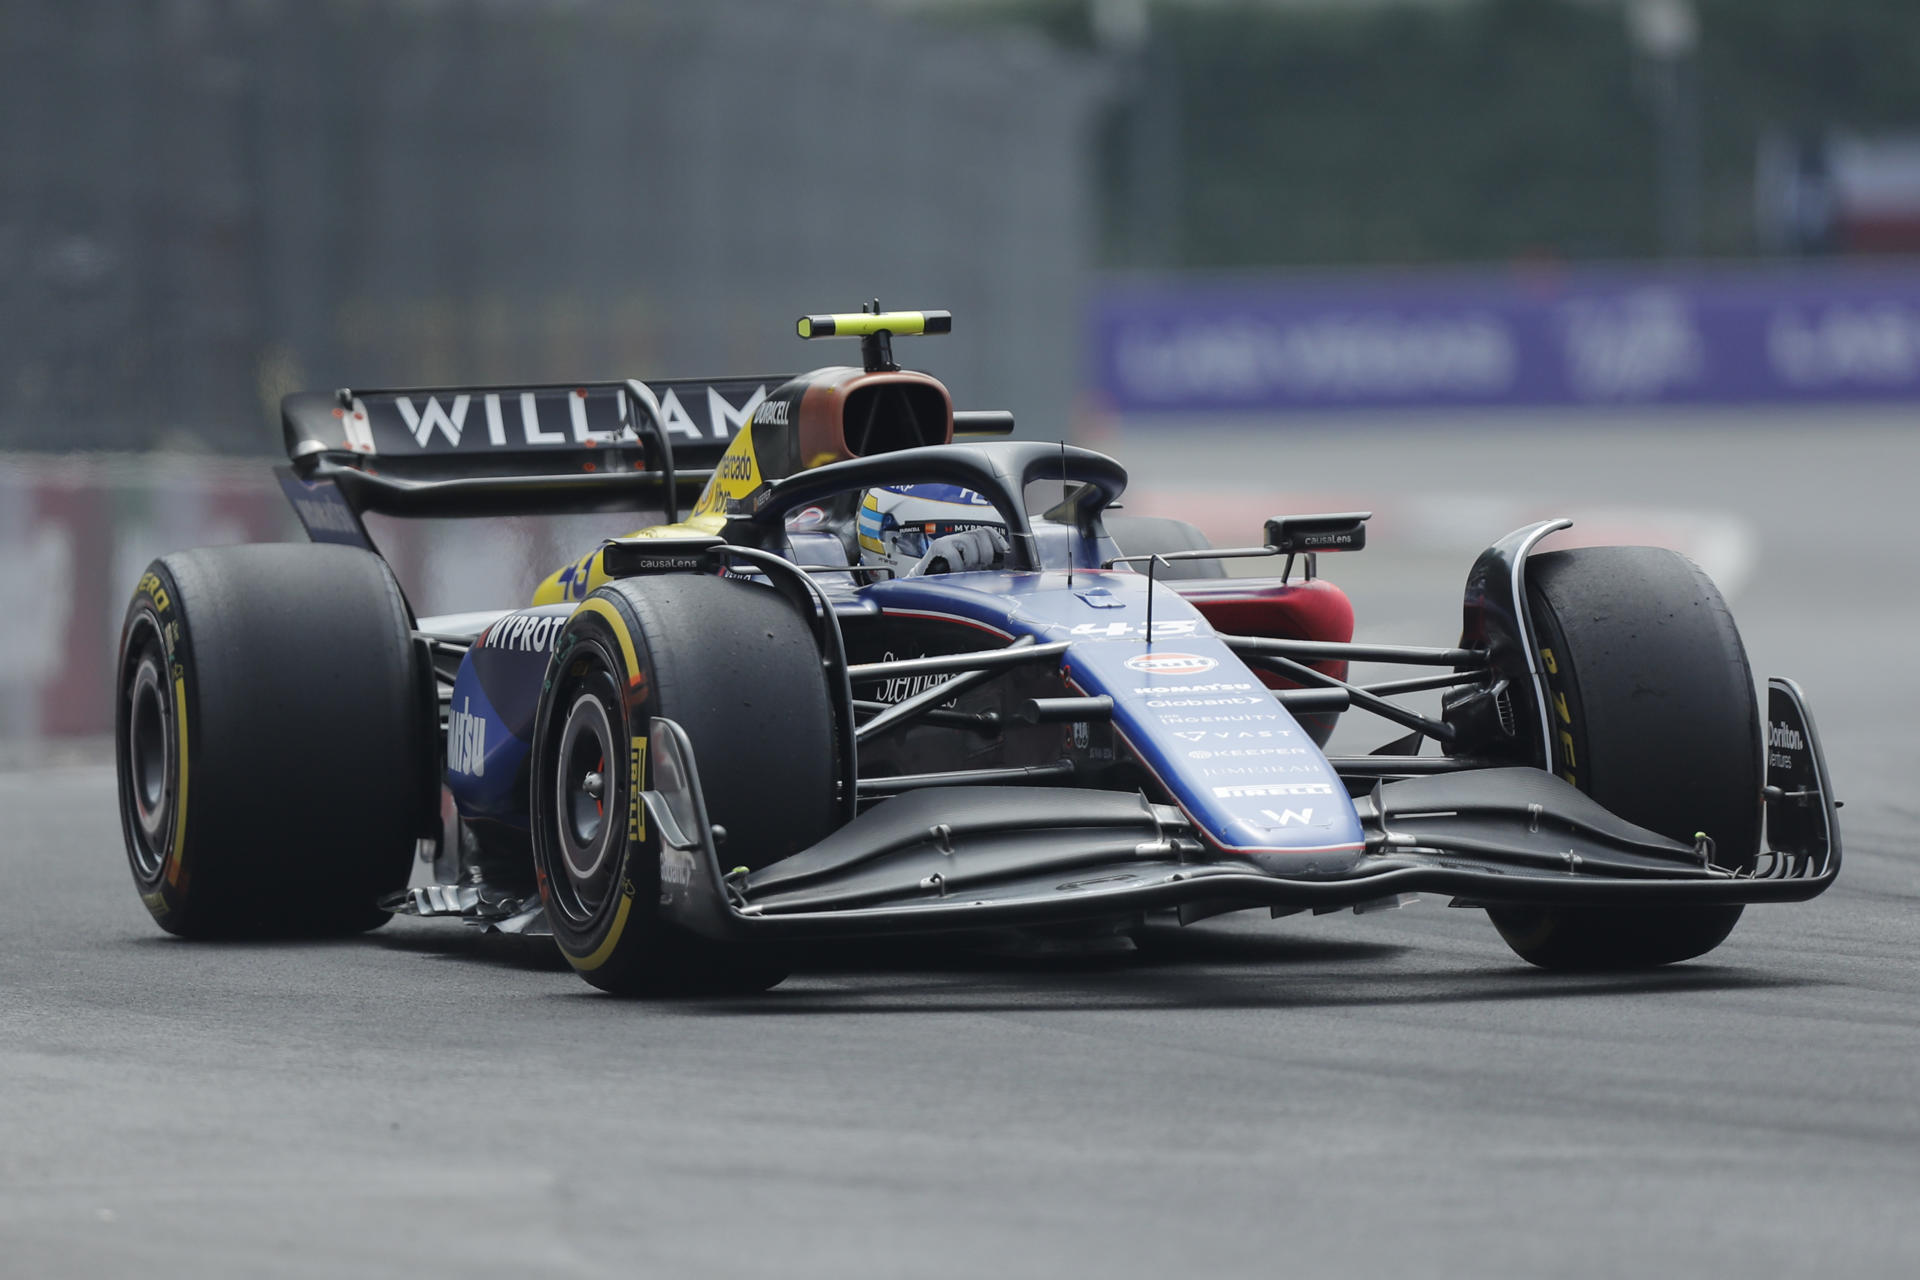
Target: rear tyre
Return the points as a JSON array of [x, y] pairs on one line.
[[1654, 716], [272, 740], [1154, 535], [738, 668]]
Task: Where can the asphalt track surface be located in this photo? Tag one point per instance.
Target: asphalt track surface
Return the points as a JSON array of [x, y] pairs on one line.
[[1391, 1094]]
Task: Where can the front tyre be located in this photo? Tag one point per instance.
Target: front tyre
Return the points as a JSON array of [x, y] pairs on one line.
[[1654, 715], [271, 740], [736, 667]]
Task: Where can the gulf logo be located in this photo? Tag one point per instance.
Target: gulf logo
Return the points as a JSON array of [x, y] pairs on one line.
[[1171, 664]]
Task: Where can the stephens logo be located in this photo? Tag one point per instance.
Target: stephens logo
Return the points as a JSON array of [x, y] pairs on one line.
[[1171, 664]]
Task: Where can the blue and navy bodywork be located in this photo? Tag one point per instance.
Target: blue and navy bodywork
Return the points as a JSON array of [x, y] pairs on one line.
[[491, 716], [1196, 718], [1201, 725]]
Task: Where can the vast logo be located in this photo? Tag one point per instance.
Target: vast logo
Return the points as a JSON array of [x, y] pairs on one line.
[[1171, 664]]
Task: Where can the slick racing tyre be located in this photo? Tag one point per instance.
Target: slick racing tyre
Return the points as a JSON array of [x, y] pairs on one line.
[[1654, 715], [1155, 535], [272, 740], [737, 667]]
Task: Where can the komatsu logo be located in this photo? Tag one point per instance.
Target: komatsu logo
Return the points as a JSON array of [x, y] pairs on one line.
[[1786, 737], [466, 741]]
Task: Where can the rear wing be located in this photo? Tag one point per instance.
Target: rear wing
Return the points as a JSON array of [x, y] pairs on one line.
[[490, 451]]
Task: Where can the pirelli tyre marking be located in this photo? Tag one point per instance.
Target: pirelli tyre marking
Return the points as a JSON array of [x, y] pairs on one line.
[[634, 829], [162, 676], [600, 953], [600, 608]]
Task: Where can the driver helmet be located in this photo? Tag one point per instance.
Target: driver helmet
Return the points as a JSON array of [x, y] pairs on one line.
[[898, 528]]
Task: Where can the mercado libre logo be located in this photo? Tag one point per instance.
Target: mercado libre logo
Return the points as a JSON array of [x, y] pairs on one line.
[[1171, 664]]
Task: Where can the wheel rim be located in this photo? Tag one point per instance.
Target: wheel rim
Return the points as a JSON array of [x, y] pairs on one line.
[[586, 790], [149, 763]]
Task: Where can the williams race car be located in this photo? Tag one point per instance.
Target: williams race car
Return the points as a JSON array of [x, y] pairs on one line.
[[878, 682]]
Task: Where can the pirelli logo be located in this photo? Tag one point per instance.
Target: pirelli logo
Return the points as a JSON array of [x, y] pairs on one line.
[[636, 783]]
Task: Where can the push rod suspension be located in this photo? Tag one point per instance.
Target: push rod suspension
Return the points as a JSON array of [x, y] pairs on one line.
[[1410, 655]]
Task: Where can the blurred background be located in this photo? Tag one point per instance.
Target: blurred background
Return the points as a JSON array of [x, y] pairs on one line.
[[1461, 261]]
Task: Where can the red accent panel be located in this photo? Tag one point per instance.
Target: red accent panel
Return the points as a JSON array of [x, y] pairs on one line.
[[1300, 610]]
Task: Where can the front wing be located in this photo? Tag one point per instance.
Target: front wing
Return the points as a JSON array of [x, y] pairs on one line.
[[965, 858]]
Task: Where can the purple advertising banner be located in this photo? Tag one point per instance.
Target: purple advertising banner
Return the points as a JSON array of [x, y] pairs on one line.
[[1522, 337]]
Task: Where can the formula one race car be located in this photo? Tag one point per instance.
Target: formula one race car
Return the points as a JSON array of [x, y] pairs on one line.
[[879, 682]]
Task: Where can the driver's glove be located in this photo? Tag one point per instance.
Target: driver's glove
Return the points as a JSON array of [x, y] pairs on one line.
[[982, 548]]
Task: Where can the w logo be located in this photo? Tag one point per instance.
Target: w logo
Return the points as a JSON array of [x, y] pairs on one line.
[[1287, 817], [423, 424]]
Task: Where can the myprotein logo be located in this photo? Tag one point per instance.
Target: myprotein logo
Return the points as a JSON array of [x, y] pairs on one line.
[[525, 632], [1171, 664]]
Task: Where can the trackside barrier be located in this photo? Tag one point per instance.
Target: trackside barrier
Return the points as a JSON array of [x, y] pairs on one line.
[[76, 531]]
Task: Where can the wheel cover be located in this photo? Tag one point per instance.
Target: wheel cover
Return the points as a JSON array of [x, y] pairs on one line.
[[147, 766], [588, 786]]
